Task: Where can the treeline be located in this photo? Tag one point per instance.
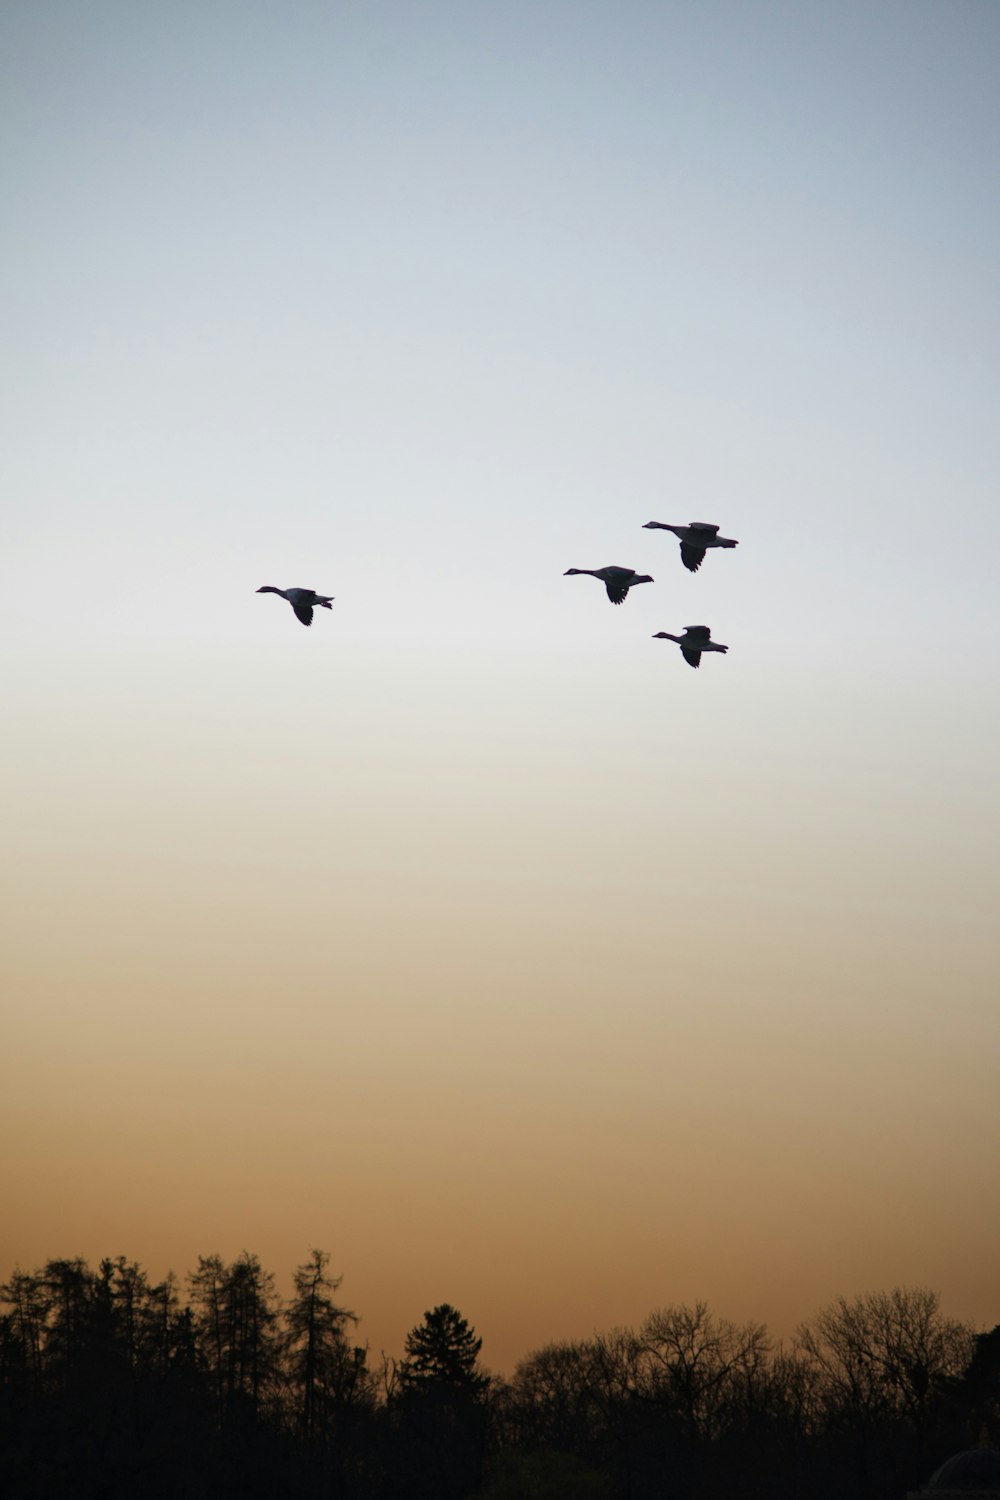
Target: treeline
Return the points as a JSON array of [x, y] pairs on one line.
[[114, 1387]]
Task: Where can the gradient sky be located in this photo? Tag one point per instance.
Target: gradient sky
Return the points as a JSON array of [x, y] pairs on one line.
[[470, 935]]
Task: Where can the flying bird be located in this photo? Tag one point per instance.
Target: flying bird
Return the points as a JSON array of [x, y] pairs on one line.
[[617, 581], [694, 539], [695, 640], [302, 601]]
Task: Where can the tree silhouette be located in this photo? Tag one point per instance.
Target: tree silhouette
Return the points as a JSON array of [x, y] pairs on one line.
[[235, 1317], [442, 1417], [981, 1383], [109, 1387], [324, 1372], [884, 1353], [701, 1368], [443, 1350], [25, 1295]]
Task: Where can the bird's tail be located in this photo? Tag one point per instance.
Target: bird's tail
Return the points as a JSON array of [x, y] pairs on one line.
[[325, 603], [725, 541]]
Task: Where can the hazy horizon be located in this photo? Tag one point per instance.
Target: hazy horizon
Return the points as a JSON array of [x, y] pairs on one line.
[[469, 934]]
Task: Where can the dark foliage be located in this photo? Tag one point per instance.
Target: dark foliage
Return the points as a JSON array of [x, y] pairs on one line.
[[112, 1386], [442, 1351]]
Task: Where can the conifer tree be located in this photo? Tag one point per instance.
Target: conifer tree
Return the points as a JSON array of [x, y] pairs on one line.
[[443, 1350], [322, 1368], [235, 1321]]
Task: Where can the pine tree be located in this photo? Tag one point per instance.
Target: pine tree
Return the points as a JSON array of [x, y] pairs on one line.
[[443, 1350]]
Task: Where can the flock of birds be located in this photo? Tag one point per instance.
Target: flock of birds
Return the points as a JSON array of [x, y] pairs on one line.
[[695, 540]]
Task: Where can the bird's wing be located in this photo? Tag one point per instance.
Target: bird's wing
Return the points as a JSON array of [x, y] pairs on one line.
[[692, 557], [705, 526], [698, 632], [616, 580], [691, 655], [303, 612]]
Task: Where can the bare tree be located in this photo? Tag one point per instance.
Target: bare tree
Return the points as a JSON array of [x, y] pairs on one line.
[[700, 1367], [548, 1401], [885, 1352]]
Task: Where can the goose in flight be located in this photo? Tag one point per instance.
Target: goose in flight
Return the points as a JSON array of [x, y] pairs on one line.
[[695, 640], [302, 601], [617, 581], [694, 539]]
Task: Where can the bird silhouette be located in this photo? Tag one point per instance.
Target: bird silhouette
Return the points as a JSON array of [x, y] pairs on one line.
[[617, 581], [695, 640], [303, 601], [694, 539]]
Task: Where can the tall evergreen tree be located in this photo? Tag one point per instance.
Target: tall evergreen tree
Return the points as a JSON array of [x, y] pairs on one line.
[[443, 1418], [443, 1350]]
